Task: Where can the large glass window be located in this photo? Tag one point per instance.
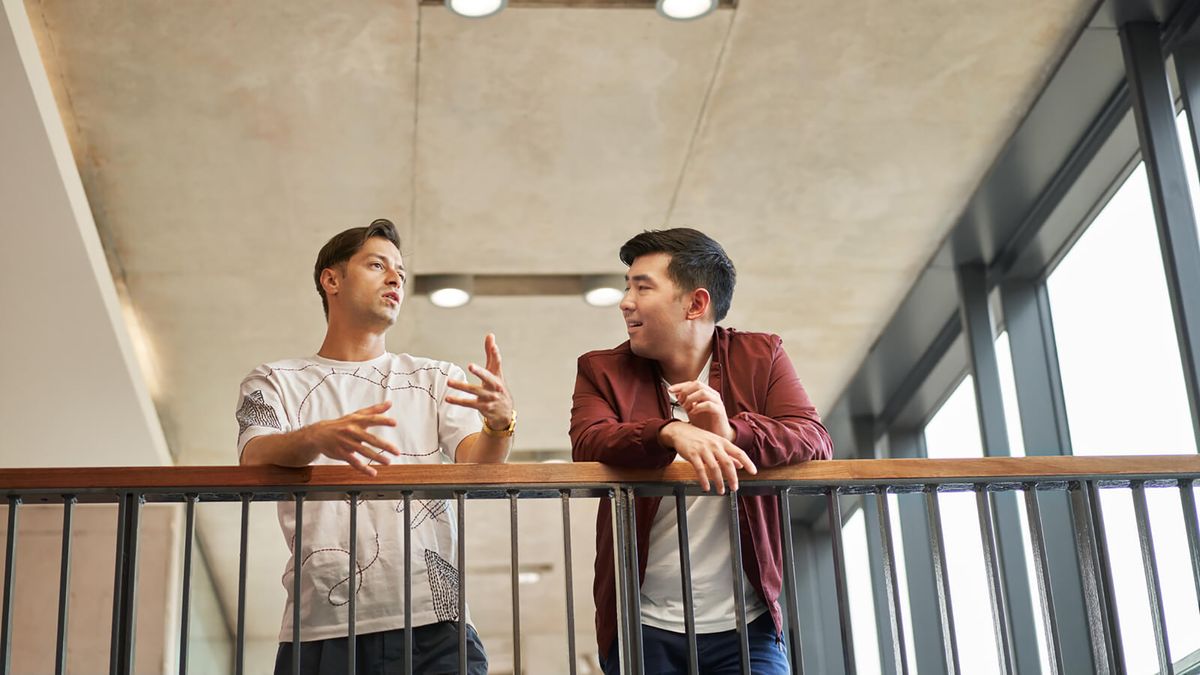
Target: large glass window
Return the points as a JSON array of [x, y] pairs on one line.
[[1124, 390], [954, 432], [862, 600]]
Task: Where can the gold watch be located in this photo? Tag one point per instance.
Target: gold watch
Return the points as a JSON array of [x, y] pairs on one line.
[[500, 433]]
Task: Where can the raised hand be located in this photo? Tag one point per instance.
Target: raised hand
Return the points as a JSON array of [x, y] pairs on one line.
[[491, 396], [704, 407], [346, 438]]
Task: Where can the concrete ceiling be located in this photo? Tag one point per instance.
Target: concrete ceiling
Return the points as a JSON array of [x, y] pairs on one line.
[[828, 145]]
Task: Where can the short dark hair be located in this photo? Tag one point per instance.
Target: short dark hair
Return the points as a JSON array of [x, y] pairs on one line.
[[344, 245], [697, 261]]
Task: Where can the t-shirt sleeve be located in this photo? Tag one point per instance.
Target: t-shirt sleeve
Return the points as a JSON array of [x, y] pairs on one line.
[[260, 408], [455, 422]]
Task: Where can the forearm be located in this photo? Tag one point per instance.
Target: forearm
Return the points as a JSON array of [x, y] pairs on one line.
[[294, 448], [481, 448]]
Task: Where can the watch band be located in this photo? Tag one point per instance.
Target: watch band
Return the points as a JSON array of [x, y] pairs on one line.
[[501, 433]]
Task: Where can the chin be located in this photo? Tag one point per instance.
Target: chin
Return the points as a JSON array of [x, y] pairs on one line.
[[640, 350]]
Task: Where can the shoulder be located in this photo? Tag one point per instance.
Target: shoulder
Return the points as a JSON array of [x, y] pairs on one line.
[[620, 353], [272, 369], [419, 367], [746, 347]]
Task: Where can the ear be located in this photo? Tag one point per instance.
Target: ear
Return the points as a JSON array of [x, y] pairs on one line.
[[700, 302], [330, 280]]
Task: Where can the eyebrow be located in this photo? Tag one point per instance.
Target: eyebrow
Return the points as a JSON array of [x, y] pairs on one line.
[[381, 258], [639, 277]]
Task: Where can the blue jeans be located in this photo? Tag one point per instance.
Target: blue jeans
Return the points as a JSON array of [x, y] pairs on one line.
[[666, 651], [435, 652]]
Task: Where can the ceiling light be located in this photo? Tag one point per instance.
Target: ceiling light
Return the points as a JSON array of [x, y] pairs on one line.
[[527, 578], [603, 290], [450, 290], [475, 9], [684, 10]]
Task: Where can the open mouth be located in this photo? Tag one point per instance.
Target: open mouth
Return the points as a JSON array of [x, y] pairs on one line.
[[633, 324], [394, 297]]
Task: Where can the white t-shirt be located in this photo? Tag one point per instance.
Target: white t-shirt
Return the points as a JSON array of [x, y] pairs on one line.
[[712, 563], [286, 395]]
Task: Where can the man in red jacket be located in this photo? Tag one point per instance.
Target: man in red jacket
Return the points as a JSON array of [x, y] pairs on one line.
[[683, 389]]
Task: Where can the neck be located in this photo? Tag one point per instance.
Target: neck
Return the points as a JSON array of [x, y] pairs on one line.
[[349, 343], [685, 362]]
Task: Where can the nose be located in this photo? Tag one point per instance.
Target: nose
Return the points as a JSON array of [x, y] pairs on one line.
[[627, 304], [393, 279]]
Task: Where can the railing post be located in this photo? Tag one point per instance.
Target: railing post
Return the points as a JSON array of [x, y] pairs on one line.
[[10, 565]]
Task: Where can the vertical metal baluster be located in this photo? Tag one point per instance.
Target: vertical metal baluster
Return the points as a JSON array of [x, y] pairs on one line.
[[10, 562], [189, 531], [635, 577], [1001, 618], [408, 627], [621, 577], [1089, 519], [635, 585], [239, 659], [890, 582], [114, 648], [1188, 499], [1153, 585], [352, 588], [739, 590], [297, 568], [685, 567], [789, 582], [64, 587], [839, 575], [516, 581], [570, 581], [1037, 539], [941, 578], [133, 533], [462, 582]]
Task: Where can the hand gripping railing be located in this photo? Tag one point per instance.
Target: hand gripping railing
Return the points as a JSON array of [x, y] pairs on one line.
[[1080, 477]]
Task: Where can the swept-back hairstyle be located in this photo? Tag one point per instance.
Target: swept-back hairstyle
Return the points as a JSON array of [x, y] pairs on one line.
[[344, 245], [697, 261]]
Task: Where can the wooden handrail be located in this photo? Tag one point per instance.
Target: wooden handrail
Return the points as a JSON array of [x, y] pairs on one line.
[[586, 474]]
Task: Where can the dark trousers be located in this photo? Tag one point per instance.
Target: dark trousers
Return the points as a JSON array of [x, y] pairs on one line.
[[435, 652], [666, 652]]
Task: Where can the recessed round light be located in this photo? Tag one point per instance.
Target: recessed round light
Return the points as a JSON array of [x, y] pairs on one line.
[[450, 297], [475, 9], [603, 290], [603, 297], [684, 10]]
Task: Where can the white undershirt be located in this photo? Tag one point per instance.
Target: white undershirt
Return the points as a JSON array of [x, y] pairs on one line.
[[712, 564]]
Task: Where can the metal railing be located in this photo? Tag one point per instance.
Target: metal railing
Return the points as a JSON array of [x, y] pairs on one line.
[[1081, 478]]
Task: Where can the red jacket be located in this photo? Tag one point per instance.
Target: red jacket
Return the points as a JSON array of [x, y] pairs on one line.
[[619, 407]]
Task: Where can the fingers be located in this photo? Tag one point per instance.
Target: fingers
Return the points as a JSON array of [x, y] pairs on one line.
[[367, 421], [701, 472], [493, 353], [684, 389], [364, 439], [359, 465], [703, 407], [475, 389], [741, 458], [465, 402], [486, 376], [374, 409]]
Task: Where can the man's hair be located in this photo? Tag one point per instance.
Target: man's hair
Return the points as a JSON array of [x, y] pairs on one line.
[[697, 261], [344, 245]]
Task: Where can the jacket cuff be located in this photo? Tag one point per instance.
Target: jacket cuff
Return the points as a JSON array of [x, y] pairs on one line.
[[743, 434], [650, 442]]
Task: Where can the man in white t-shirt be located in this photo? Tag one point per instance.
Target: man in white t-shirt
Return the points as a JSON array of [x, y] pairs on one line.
[[356, 403], [683, 389]]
